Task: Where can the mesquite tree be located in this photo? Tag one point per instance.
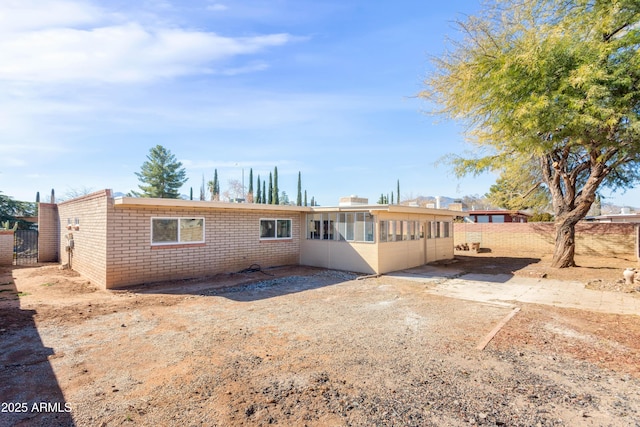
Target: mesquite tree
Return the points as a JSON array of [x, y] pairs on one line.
[[555, 79]]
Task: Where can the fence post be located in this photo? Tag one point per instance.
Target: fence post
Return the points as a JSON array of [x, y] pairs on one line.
[[6, 247]]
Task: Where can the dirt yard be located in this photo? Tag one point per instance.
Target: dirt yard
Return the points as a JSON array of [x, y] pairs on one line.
[[302, 346]]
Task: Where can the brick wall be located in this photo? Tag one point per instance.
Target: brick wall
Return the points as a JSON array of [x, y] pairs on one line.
[[89, 254], [48, 233], [591, 238], [232, 243], [6, 247]]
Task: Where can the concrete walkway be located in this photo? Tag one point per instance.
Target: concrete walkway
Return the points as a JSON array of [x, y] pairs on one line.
[[509, 290]]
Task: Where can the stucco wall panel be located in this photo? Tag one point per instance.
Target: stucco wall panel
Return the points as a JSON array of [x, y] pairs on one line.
[[400, 255], [340, 255]]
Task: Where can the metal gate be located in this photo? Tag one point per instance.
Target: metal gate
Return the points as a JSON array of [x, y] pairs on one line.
[[25, 247]]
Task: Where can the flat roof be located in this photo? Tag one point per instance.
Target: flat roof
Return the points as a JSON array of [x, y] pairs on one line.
[[124, 202], [497, 212], [390, 208], [201, 204]]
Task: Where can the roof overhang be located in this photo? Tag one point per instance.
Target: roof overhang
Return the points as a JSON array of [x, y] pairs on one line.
[[146, 202], [373, 209]]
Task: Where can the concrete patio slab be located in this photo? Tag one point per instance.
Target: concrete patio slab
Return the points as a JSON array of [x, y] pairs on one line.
[[504, 288]]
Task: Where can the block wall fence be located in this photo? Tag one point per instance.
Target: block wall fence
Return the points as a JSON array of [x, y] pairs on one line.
[[48, 232], [606, 239], [6, 247]]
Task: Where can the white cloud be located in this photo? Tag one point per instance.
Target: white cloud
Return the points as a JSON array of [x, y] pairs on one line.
[[23, 15], [249, 68], [61, 46], [217, 7]]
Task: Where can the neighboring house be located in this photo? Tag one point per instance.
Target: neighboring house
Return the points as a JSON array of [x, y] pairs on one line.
[[125, 241], [617, 218], [497, 216]]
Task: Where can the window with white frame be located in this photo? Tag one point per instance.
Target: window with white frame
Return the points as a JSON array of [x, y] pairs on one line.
[[349, 226], [438, 229], [167, 231], [273, 229], [397, 231], [446, 229]]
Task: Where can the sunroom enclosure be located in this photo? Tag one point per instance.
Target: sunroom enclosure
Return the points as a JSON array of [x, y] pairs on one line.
[[376, 239]]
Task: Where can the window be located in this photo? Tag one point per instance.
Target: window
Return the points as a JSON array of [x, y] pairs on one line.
[[314, 224], [397, 231], [438, 229], [384, 231], [435, 230], [349, 226], [275, 229], [446, 229], [341, 227], [410, 230], [328, 226], [368, 227], [166, 231]]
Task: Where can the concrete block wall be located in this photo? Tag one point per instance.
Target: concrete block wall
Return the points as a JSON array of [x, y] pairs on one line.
[[89, 254], [232, 243], [606, 239], [48, 233], [6, 247]]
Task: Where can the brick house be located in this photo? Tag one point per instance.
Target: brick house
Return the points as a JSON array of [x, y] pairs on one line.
[[123, 241]]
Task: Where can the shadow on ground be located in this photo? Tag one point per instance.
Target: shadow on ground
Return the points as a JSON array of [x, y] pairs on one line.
[[497, 269], [29, 390], [251, 286]]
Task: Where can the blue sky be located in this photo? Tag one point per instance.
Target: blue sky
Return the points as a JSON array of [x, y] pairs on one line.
[[321, 87]]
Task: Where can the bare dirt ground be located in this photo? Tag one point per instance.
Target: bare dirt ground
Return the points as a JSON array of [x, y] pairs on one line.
[[303, 346]]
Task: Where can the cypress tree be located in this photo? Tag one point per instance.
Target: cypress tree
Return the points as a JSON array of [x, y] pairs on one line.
[[264, 192], [305, 197], [250, 195], [214, 186], [398, 191], [299, 198], [259, 195], [270, 194], [276, 191], [190, 193]]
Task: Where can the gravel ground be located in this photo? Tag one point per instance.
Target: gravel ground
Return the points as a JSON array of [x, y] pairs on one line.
[[306, 347]]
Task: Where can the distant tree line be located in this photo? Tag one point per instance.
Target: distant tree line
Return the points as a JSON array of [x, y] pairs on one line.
[[162, 175]]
